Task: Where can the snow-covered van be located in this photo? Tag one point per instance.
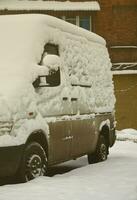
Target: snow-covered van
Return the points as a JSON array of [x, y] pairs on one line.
[[56, 95]]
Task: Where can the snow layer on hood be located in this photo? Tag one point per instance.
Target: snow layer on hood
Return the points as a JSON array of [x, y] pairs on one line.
[[22, 40]]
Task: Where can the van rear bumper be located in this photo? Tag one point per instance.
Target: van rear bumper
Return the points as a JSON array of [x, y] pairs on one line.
[[10, 158]]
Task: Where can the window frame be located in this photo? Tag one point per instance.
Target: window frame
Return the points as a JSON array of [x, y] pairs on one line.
[[90, 22], [78, 21]]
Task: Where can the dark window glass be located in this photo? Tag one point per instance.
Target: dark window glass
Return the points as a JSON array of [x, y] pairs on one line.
[[53, 79], [71, 20], [60, 17], [84, 22], [51, 49]]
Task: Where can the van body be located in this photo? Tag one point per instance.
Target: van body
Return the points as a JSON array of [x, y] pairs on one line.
[[56, 94]]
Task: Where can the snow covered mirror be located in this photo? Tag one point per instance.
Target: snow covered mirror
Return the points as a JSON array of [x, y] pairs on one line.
[[52, 63]]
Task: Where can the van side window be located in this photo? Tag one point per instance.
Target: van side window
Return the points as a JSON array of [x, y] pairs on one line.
[[53, 78], [51, 49]]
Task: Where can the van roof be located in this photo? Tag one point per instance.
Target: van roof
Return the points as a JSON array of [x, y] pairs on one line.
[[55, 23]]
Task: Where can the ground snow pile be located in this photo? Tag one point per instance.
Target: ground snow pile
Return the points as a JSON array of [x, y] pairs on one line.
[[127, 134]]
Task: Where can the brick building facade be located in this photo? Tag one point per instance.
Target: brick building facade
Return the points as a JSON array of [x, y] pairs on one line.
[[117, 22]]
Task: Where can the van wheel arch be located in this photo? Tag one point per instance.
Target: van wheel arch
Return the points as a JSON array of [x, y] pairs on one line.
[[102, 147], [39, 137], [37, 140]]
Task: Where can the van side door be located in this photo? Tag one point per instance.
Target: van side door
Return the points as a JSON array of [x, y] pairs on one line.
[[53, 105], [83, 127]]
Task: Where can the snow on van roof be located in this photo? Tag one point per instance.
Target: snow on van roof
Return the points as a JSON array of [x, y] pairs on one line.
[[22, 40], [54, 23], [49, 5], [70, 28]]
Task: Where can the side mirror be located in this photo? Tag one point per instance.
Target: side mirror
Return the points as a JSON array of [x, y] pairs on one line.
[[52, 64], [51, 80]]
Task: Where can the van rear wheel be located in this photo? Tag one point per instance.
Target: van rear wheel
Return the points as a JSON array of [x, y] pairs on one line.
[[101, 151], [34, 162]]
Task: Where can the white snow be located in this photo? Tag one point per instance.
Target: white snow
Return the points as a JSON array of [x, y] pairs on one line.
[[127, 134], [22, 129], [89, 64], [122, 72], [123, 47], [51, 62], [109, 180], [49, 5], [103, 123], [124, 68], [83, 55]]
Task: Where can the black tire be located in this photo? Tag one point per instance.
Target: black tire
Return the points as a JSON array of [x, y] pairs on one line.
[[33, 164], [101, 151]]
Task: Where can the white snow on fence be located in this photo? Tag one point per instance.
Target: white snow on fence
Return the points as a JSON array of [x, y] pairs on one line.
[[123, 47], [124, 68], [49, 5]]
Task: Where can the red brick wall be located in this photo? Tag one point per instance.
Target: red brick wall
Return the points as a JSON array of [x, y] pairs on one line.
[[117, 23], [123, 55]]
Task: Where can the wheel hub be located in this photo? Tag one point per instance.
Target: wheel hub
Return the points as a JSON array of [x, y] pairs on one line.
[[103, 152], [35, 166]]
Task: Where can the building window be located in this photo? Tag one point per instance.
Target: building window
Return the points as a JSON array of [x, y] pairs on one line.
[[71, 20], [82, 21]]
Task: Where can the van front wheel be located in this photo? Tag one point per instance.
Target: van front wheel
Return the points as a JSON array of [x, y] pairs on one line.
[[34, 162], [101, 151]]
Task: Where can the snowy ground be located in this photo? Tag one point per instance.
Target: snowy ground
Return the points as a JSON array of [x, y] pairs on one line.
[[76, 180], [127, 134]]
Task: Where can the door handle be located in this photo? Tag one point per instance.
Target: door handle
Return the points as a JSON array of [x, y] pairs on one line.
[[70, 137], [65, 98], [74, 99], [67, 138]]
